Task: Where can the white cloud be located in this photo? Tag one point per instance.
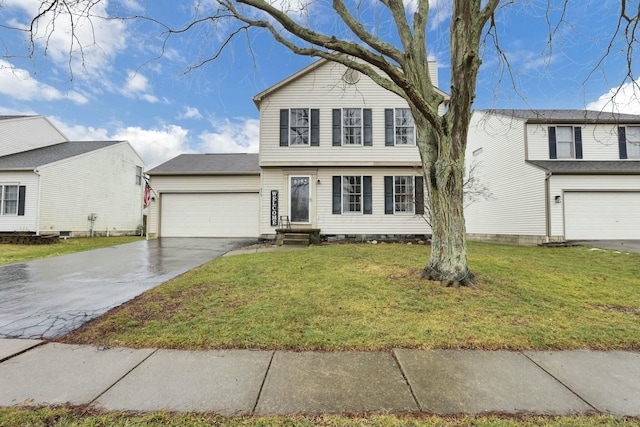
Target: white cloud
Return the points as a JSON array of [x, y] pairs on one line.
[[19, 84], [190, 113], [239, 136], [621, 99], [137, 86]]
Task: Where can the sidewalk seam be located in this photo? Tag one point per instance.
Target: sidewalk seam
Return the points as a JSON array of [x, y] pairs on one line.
[[122, 377], [264, 380], [406, 380], [561, 383]]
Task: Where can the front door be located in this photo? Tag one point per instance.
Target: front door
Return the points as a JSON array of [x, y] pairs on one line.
[[300, 189]]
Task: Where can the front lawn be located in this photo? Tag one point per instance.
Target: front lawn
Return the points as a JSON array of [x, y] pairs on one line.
[[10, 254], [370, 297]]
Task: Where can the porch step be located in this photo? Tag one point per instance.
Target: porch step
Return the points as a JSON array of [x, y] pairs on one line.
[[295, 239]]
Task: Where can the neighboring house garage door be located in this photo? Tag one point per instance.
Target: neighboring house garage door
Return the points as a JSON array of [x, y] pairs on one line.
[[209, 215], [602, 215]]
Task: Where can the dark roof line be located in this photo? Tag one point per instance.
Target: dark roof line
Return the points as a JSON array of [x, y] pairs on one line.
[[222, 163], [577, 167], [45, 155], [566, 116]]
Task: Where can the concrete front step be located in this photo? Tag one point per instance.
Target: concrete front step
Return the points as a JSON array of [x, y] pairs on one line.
[[296, 239]]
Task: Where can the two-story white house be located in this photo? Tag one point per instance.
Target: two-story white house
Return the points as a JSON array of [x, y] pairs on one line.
[[50, 185], [555, 175], [337, 154]]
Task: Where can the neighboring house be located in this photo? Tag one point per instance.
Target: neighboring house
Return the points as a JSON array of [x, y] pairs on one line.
[[57, 187], [555, 175], [337, 153]]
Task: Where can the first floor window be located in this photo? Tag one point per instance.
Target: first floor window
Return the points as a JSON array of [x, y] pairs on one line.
[[352, 126], [9, 199], [352, 194], [633, 142], [404, 127], [299, 122], [404, 199]]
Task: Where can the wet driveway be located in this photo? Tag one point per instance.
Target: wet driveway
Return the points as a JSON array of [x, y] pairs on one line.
[[49, 297]]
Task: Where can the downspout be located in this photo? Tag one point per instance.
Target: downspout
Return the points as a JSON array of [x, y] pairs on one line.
[[547, 205], [37, 172]]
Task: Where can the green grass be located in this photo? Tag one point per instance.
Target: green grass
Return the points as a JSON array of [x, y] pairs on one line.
[[10, 254], [64, 417], [370, 297]]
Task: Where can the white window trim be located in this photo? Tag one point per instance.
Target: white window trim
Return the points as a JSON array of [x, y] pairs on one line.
[[343, 127], [630, 148], [291, 177], [412, 196], [2, 197], [395, 127], [289, 139], [573, 144], [139, 178], [361, 211]]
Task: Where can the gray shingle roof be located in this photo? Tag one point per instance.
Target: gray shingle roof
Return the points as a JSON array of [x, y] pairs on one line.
[[564, 116], [209, 164], [42, 156], [589, 167]]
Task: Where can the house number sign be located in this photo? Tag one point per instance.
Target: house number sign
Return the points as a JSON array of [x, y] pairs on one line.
[[274, 208]]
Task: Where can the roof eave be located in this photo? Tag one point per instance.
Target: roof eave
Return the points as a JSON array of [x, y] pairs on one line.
[[201, 173]]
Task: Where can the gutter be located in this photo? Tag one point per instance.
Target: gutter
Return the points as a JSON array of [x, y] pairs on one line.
[[547, 205], [37, 172]]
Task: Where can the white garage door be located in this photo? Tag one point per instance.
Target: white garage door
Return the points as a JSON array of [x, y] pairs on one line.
[[600, 215], [209, 215]]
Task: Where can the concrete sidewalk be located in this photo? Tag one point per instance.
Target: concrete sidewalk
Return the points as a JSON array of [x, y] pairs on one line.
[[241, 382]]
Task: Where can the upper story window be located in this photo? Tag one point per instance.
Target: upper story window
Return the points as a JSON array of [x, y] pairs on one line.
[[630, 142], [352, 127], [138, 175], [399, 127], [9, 199], [299, 127], [565, 142]]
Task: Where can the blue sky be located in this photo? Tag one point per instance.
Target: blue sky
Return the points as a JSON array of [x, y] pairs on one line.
[[119, 87]]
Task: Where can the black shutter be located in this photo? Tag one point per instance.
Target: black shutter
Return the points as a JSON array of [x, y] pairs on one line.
[[367, 208], [388, 127], [315, 127], [388, 195], [337, 127], [622, 142], [577, 131], [337, 195], [553, 153], [21, 193], [419, 190], [284, 128], [367, 131]]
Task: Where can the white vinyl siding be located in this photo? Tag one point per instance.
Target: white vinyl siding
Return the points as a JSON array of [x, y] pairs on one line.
[[26, 133], [28, 221], [202, 184], [322, 215], [323, 89], [100, 182], [517, 204], [209, 215], [561, 184], [598, 142]]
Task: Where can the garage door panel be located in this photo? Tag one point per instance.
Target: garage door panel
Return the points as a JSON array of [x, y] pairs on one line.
[[595, 215], [210, 215]]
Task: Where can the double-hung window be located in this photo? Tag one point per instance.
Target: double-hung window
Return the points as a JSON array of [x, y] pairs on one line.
[[564, 142], [9, 199], [404, 198], [299, 126], [351, 126], [405, 132], [352, 194], [633, 142], [138, 175]]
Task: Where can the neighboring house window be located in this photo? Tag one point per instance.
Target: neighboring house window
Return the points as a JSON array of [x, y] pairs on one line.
[[138, 175], [629, 139], [300, 127], [12, 199], [399, 127], [352, 127], [565, 142], [352, 194], [403, 194]]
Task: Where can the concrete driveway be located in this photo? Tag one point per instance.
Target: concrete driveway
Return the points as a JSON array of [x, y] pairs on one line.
[[49, 297], [618, 245]]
